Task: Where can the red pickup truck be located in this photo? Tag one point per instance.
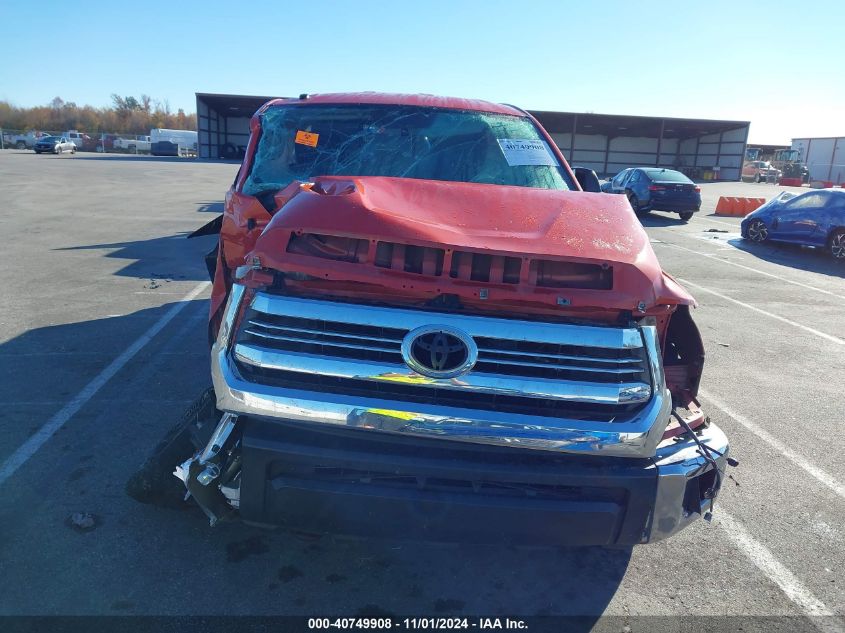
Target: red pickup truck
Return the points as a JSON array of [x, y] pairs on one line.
[[422, 327]]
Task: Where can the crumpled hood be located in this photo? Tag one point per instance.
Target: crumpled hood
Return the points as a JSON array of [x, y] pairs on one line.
[[520, 221]]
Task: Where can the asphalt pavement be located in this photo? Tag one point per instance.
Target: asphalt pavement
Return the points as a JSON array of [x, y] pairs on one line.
[[102, 346]]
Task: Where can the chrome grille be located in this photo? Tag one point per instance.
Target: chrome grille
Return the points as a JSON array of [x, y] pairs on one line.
[[524, 366], [327, 338]]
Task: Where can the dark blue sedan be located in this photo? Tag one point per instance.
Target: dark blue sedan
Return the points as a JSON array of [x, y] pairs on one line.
[[814, 218], [656, 189]]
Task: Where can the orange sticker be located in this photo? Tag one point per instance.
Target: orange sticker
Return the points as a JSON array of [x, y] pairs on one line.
[[306, 138]]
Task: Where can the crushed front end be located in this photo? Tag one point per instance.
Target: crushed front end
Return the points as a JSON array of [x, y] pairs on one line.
[[408, 356]]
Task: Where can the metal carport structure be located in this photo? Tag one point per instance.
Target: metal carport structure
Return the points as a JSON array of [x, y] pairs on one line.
[[223, 123], [606, 143]]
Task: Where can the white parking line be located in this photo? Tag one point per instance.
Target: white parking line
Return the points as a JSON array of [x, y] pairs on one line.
[[827, 337], [817, 473], [752, 269], [774, 570], [36, 441]]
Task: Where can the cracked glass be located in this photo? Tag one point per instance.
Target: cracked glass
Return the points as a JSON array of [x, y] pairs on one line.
[[302, 142]]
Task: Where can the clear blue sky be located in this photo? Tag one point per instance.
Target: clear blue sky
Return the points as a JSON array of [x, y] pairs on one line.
[[780, 65]]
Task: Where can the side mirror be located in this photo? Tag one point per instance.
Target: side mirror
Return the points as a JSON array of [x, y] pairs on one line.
[[587, 179]]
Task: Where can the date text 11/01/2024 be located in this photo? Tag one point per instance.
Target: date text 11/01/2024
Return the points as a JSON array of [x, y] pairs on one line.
[[357, 624]]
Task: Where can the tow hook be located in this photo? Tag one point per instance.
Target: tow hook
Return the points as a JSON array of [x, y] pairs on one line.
[[204, 468]]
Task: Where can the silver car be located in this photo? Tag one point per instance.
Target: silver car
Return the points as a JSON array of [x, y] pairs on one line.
[[54, 145]]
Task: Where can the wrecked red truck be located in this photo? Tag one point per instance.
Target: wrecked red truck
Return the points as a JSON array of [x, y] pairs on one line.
[[422, 327]]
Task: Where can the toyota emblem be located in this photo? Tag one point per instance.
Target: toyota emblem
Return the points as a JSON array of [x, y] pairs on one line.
[[439, 351]]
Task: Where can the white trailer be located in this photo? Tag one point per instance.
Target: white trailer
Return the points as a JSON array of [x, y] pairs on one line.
[[173, 142], [824, 157]]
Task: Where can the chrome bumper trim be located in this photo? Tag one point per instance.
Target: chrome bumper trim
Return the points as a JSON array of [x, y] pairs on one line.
[[636, 437], [677, 462]]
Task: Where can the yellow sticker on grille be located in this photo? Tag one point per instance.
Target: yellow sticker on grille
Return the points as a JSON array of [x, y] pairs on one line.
[[402, 415]]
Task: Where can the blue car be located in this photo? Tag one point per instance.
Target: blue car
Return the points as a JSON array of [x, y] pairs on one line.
[[813, 218], [657, 189]]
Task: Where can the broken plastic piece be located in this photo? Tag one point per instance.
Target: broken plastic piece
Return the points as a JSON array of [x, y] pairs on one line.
[[201, 470], [211, 472]]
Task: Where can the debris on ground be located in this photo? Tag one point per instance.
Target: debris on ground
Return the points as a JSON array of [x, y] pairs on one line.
[[82, 521]]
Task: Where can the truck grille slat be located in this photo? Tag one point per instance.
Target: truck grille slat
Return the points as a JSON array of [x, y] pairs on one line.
[[516, 364], [508, 355], [328, 330], [320, 341]]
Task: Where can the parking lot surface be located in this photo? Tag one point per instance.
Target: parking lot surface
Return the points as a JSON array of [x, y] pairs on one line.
[[103, 345]]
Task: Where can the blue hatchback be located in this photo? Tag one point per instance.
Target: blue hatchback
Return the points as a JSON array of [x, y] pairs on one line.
[[656, 189], [813, 218]]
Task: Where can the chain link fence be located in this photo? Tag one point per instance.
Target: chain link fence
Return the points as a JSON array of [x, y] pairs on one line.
[[105, 142]]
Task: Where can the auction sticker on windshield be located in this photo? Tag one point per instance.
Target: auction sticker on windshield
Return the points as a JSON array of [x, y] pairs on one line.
[[524, 151], [306, 138]]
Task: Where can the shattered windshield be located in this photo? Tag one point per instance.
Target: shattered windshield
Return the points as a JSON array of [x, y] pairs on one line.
[[301, 142]]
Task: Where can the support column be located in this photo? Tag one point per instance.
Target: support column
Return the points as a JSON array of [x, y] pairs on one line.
[[660, 142]]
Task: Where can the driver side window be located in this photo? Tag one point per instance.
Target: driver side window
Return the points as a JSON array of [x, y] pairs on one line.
[[810, 201]]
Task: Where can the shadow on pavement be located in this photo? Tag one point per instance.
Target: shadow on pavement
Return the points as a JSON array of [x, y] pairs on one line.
[[160, 258], [132, 550], [816, 260], [659, 219]]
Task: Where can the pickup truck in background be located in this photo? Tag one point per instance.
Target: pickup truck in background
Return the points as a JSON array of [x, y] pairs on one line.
[[27, 140], [81, 140], [423, 327], [139, 144], [760, 171]]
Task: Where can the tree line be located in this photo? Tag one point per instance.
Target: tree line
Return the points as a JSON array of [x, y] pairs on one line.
[[126, 115]]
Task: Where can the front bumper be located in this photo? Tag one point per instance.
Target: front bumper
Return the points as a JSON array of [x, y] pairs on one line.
[[382, 485], [339, 463]]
